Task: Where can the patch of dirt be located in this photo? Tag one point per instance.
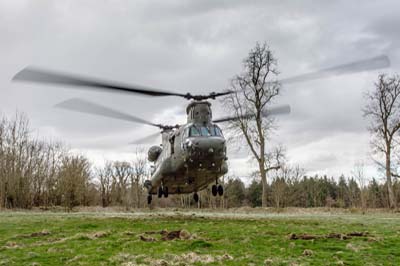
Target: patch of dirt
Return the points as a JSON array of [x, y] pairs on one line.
[[195, 258], [99, 234], [374, 239], [147, 239], [75, 259], [354, 247], [35, 234], [293, 236], [308, 252], [166, 235], [268, 262], [11, 245], [80, 236], [60, 250], [32, 254]]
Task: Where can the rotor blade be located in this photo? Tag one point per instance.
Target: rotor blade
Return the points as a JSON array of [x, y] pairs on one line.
[[278, 110], [377, 62], [83, 106], [31, 74], [146, 139]]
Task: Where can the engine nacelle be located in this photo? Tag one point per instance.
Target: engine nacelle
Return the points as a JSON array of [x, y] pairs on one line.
[[153, 153]]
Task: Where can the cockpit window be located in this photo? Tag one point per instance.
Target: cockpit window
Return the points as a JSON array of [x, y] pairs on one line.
[[205, 132], [196, 131], [218, 131]]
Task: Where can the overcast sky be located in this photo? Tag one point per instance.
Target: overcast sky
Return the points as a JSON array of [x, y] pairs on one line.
[[198, 46]]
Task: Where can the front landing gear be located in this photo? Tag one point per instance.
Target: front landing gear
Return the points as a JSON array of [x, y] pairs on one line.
[[162, 191], [214, 190], [148, 185]]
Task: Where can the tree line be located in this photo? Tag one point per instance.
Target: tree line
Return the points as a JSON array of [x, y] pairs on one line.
[[312, 191], [39, 173]]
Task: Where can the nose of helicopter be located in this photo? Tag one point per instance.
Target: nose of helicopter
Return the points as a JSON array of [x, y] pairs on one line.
[[212, 147]]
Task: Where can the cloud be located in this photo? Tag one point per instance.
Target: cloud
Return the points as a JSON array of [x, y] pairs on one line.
[[197, 46]]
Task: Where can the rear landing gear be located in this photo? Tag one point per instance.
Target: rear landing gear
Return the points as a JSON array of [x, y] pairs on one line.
[[220, 190], [217, 190], [196, 197]]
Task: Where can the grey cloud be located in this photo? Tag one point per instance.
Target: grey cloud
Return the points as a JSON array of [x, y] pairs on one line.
[[193, 46]]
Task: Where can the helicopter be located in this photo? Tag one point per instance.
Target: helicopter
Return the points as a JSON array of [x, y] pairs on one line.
[[192, 155]]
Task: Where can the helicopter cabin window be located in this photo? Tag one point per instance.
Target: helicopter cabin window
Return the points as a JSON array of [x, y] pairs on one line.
[[216, 131], [203, 131], [194, 132]]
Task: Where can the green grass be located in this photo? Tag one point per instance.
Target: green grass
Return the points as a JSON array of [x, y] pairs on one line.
[[262, 239]]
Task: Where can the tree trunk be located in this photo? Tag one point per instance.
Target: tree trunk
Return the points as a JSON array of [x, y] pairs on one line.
[[264, 197], [138, 194], [392, 201]]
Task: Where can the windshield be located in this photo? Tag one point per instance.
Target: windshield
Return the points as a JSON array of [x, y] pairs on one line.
[[196, 131]]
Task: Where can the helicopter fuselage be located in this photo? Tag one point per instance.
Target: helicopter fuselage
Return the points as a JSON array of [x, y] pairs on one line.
[[189, 164], [192, 156]]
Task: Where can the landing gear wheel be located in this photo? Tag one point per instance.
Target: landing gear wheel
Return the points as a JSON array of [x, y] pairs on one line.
[[166, 192], [196, 197], [149, 198], [160, 192], [220, 190], [214, 190]]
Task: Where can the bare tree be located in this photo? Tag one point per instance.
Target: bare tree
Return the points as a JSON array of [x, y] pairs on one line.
[[105, 177], [73, 180], [383, 110], [139, 166], [280, 186], [359, 175], [254, 90], [121, 175], [3, 181]]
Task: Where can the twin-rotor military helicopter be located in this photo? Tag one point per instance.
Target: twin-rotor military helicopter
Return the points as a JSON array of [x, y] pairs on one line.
[[192, 155]]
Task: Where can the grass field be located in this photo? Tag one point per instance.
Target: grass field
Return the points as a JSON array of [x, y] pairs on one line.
[[209, 238]]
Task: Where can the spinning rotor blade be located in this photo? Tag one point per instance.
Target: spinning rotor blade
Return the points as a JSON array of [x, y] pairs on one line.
[[37, 75], [31, 74], [278, 110], [83, 106], [146, 139], [377, 62]]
